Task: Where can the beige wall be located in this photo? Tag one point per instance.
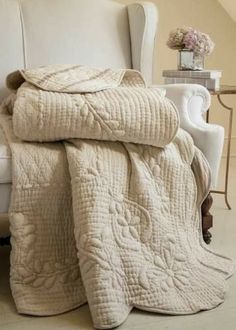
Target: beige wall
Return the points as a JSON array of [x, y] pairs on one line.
[[230, 7], [207, 16]]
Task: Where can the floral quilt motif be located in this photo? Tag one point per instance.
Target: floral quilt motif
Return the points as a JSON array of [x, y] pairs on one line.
[[167, 271], [131, 223], [96, 251]]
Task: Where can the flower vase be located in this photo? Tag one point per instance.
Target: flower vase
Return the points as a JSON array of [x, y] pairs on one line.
[[188, 60]]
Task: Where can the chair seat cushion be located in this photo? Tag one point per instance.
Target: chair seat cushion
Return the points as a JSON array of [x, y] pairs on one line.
[[5, 194], [5, 160]]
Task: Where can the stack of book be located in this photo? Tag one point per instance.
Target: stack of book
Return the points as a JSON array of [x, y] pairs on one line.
[[208, 78]]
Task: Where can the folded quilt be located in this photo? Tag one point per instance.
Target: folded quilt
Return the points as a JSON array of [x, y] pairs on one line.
[[114, 224], [78, 102]]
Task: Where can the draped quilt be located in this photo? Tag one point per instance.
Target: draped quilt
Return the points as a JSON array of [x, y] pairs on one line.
[[106, 197]]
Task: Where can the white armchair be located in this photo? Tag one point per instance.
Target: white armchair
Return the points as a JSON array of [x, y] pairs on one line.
[[96, 33], [193, 101]]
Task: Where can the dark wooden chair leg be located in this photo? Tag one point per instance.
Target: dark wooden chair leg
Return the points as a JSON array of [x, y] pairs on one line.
[[207, 218], [4, 241]]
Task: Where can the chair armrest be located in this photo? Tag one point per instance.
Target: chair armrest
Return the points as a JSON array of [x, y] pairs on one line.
[[192, 101]]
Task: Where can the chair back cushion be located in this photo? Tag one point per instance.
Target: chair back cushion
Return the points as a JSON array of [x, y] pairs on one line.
[[41, 32]]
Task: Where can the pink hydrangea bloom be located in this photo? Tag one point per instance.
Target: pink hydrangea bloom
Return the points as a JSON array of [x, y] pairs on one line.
[[188, 38], [176, 37], [200, 43]]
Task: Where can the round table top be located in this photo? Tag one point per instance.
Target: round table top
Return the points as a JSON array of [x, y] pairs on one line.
[[224, 89]]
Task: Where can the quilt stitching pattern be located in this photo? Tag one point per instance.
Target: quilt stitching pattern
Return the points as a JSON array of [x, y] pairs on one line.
[[105, 206]]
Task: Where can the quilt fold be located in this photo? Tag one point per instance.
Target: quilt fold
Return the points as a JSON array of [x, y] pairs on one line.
[[78, 102], [112, 219]]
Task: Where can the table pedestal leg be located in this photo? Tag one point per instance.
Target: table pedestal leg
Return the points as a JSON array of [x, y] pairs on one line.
[[225, 192]]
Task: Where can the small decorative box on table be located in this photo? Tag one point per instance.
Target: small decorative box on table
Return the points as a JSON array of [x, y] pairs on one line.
[[207, 78]]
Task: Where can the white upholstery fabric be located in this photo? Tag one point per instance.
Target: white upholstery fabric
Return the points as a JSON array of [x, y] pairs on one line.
[[5, 174], [143, 18], [92, 32], [193, 101], [11, 48], [5, 160], [96, 32]]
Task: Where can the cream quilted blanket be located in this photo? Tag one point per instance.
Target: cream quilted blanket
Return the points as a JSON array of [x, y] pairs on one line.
[[109, 214]]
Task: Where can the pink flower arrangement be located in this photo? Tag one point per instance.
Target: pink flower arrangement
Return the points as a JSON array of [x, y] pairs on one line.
[[188, 38]]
